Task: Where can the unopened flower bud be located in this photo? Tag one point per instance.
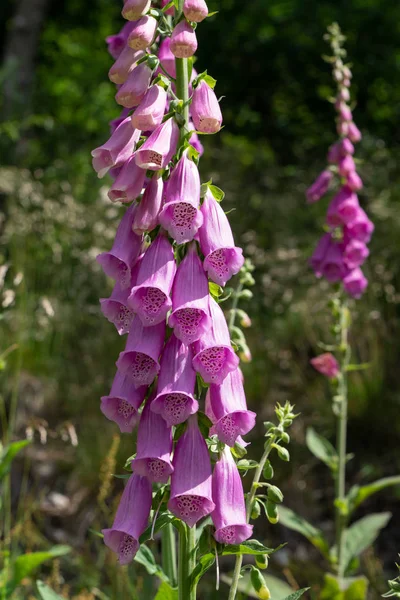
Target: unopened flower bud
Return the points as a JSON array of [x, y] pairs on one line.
[[268, 471], [262, 561], [205, 109], [195, 10], [274, 494], [354, 133], [259, 585], [272, 512], [326, 364], [143, 33], [255, 510], [183, 40], [134, 9]]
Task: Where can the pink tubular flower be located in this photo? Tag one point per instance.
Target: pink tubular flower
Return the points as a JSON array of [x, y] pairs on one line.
[[326, 364], [191, 495], [195, 140], [360, 227], [343, 207], [166, 58], [159, 147], [180, 215], [170, 11], [222, 258], [132, 92], [116, 122], [116, 309], [123, 402], [139, 361], [195, 10], [128, 183], [354, 254], [116, 43], [214, 355], [205, 110], [146, 216], [319, 254], [346, 165], [355, 283], [118, 262], [229, 515], [190, 299], [116, 151], [134, 9], [343, 128], [183, 40], [143, 33], [150, 112], [124, 64], [319, 187], [354, 133], [175, 401], [131, 519], [346, 147], [150, 296], [327, 260], [228, 407], [354, 181], [344, 112], [154, 447]]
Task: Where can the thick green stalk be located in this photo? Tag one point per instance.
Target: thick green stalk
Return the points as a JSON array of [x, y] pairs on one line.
[[168, 551], [249, 504], [186, 562], [341, 441]]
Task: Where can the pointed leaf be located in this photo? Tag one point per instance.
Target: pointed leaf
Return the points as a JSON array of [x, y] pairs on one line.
[[7, 455], [25, 564], [358, 494], [279, 589], [251, 547], [47, 593], [290, 519], [351, 588], [321, 448], [297, 594], [362, 534], [205, 563], [146, 558], [166, 592]]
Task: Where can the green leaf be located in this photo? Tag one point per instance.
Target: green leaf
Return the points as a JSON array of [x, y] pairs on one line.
[[163, 520], [166, 592], [210, 81], [205, 563], [362, 534], [146, 558], [47, 593], [245, 464], [215, 290], [204, 424], [24, 565], [297, 594], [358, 494], [352, 588], [321, 448], [292, 520], [7, 455], [279, 589], [251, 547], [218, 194]]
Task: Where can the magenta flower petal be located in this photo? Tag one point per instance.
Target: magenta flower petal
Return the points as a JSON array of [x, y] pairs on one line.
[[134, 9], [326, 364], [154, 447], [128, 183], [116, 151], [205, 110], [175, 400], [159, 148], [354, 254], [182, 220], [327, 260], [124, 65], [147, 212], [150, 112], [354, 181], [132, 92], [195, 10], [214, 355], [191, 495], [321, 184], [190, 299], [116, 308], [229, 515], [166, 57], [142, 33], [343, 207], [360, 228], [150, 296], [355, 283], [123, 402], [118, 262], [130, 520], [139, 360], [183, 40]]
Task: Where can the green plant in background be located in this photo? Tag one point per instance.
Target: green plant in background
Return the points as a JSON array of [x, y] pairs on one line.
[[394, 585]]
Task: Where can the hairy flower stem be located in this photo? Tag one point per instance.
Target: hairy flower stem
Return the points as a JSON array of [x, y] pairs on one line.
[[341, 517], [168, 550], [186, 562], [249, 505]]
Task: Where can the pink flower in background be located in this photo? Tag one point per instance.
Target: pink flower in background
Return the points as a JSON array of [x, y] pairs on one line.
[[326, 364]]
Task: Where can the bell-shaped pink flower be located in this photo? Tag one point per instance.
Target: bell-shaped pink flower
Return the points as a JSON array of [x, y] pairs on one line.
[[150, 112], [191, 495], [327, 260], [124, 65], [319, 187], [117, 122], [354, 254], [195, 10], [170, 11], [190, 299], [139, 360], [222, 258], [228, 405], [229, 515], [346, 165], [143, 33], [116, 308], [159, 147], [355, 283], [344, 111], [130, 520], [354, 181], [123, 402], [132, 92], [175, 401], [354, 133], [167, 59], [118, 262], [326, 364], [146, 216], [205, 109], [134, 9], [116, 151], [343, 208], [319, 254], [180, 215], [150, 296], [116, 43], [154, 447], [214, 355], [183, 40], [128, 183], [360, 227], [343, 128], [346, 147]]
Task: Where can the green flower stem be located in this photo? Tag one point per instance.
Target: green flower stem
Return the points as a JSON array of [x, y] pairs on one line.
[[249, 503], [341, 441], [186, 562], [168, 552], [235, 302]]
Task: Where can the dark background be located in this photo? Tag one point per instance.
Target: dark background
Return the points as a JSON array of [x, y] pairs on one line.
[[55, 217]]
